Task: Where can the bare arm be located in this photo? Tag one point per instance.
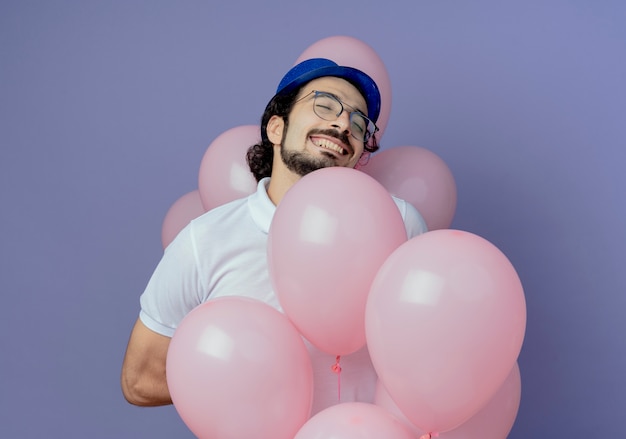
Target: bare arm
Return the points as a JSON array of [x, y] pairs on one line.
[[143, 370]]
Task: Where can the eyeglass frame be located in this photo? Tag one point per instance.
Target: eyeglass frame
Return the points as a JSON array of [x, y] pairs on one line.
[[342, 104]]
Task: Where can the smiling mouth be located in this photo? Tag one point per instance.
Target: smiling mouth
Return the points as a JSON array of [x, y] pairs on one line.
[[328, 144]]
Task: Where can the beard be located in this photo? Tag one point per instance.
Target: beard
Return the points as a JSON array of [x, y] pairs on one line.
[[302, 163]]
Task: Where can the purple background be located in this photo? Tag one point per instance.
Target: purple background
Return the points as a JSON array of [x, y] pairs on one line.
[[106, 109]]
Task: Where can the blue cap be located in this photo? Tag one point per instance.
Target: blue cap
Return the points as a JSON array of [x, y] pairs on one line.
[[315, 68]]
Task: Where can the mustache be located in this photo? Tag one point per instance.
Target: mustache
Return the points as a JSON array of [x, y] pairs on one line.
[[342, 137]]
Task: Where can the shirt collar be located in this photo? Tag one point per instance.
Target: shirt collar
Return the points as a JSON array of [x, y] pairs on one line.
[[261, 207]]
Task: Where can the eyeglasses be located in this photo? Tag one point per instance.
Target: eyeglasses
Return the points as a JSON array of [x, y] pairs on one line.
[[328, 107]]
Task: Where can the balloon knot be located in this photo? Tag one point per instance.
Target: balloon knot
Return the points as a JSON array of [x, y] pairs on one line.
[[336, 367]]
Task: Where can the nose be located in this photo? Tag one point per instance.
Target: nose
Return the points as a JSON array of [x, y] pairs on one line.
[[342, 123]]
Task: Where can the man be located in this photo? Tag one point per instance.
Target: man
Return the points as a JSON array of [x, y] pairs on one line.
[[322, 115]]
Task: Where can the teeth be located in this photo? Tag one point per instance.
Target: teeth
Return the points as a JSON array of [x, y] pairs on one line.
[[323, 143]]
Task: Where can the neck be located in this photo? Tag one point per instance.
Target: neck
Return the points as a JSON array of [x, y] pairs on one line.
[[281, 179], [280, 183]]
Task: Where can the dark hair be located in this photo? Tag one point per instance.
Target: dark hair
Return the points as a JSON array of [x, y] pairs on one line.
[[261, 155]]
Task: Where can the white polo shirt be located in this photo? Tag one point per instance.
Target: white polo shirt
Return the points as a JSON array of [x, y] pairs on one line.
[[224, 253]]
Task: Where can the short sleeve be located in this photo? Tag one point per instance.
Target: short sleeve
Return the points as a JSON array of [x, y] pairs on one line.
[[413, 220], [174, 288]]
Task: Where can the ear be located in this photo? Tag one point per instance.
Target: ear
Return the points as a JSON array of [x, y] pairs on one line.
[[275, 128]]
